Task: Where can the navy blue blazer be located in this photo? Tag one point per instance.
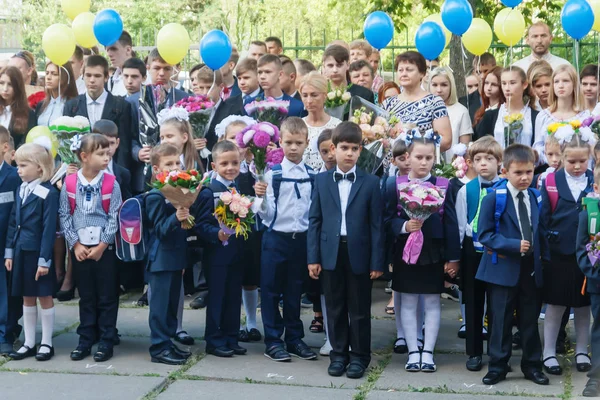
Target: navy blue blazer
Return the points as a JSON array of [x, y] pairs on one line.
[[9, 183], [583, 238], [451, 231], [168, 241], [364, 223], [558, 229], [117, 110], [296, 108], [232, 106], [123, 177], [235, 89], [26, 219], [507, 242]]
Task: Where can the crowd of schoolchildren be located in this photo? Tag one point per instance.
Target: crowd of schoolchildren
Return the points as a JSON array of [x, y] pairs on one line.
[[516, 236]]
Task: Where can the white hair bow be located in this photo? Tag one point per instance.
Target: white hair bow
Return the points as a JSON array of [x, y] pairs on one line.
[[178, 113]]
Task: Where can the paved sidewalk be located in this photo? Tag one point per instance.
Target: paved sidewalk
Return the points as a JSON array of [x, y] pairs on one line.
[[131, 375]]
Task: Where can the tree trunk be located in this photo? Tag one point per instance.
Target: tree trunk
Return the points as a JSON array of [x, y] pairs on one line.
[[456, 62]]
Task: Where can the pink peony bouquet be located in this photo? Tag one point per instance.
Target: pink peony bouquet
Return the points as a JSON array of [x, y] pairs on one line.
[[199, 109], [256, 138], [419, 200], [274, 157], [461, 166], [234, 213], [268, 110]]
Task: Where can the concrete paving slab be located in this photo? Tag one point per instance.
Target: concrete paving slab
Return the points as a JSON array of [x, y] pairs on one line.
[[395, 395]]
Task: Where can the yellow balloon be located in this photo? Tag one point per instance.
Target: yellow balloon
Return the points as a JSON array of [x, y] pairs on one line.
[[173, 43], [509, 26], [83, 29], [437, 18], [595, 4], [58, 43], [75, 7], [43, 136], [478, 38]]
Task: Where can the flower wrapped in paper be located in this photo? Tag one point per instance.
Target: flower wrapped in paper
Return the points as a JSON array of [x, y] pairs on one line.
[[337, 101], [257, 138], [199, 110], [419, 200], [234, 213], [513, 128], [268, 110], [65, 129], [180, 188]]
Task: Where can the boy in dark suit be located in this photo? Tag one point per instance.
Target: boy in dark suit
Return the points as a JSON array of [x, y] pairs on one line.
[[592, 274], [97, 104], [223, 268], [345, 245], [511, 266], [109, 130], [11, 307]]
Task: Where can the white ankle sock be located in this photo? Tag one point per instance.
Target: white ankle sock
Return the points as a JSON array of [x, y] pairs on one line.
[[47, 317], [250, 299], [29, 323]]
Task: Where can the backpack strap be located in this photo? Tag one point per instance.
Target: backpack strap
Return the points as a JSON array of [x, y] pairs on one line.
[[591, 205], [473, 191], [501, 192], [278, 178], [108, 183], [71, 187], [552, 191]]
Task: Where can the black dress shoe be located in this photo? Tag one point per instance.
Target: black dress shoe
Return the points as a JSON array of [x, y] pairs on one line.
[[103, 353], [199, 302], [336, 368], [143, 300], [15, 355], [584, 366], [220, 351], [65, 295], [168, 357], [183, 353], [254, 335], [400, 348], [493, 377], [44, 356], [277, 353], [592, 388], [243, 336], [537, 377], [183, 338], [238, 350], [80, 353], [355, 370], [301, 350], [516, 340], [474, 363], [553, 370]]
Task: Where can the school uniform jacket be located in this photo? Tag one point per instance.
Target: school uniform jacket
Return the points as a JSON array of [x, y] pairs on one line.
[[364, 223], [40, 212], [507, 242], [116, 109], [232, 106], [451, 231], [583, 238], [168, 244], [123, 177], [558, 228], [9, 183]]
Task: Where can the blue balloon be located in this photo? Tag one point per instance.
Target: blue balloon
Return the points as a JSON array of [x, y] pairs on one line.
[[215, 49], [457, 16], [108, 27], [430, 40], [378, 29], [511, 3], [577, 18]]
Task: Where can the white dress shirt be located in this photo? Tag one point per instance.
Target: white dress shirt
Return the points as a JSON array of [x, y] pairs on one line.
[[95, 108], [27, 188], [464, 227], [577, 184], [514, 192], [116, 84], [54, 110], [5, 117], [251, 95], [292, 212], [224, 181], [344, 187], [553, 60]]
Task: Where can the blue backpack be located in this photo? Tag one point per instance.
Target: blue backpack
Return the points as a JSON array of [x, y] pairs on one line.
[[501, 192], [278, 178], [133, 236]]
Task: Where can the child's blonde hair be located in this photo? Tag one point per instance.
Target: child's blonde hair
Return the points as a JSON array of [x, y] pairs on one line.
[[577, 94], [190, 155], [38, 155], [237, 123], [597, 175], [486, 145]]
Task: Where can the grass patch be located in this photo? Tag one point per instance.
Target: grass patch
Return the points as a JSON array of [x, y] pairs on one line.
[[372, 377], [437, 389], [173, 376], [66, 329]]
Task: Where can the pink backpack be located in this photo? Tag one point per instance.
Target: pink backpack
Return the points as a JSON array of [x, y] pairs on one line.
[[108, 182]]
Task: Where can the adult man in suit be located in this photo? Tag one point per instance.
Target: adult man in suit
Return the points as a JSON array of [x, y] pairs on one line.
[[345, 250], [335, 68], [97, 103]]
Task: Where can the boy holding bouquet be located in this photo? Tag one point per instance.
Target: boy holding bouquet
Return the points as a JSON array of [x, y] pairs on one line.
[[345, 248], [284, 212], [222, 254]]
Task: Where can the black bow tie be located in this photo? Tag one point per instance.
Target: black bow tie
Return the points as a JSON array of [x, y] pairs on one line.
[[485, 185], [350, 176]]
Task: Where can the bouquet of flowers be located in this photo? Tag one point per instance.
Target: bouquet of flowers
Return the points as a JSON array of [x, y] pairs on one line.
[[593, 123], [234, 213], [564, 131], [35, 99], [181, 188], [337, 101], [268, 110], [199, 109], [66, 129], [458, 167], [419, 200], [256, 138], [513, 128], [593, 249], [274, 156], [376, 143], [446, 170]]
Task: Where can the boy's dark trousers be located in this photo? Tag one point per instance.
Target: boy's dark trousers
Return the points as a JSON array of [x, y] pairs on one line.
[[502, 302], [164, 301], [348, 295], [97, 283], [283, 272], [11, 310], [595, 340], [473, 291]]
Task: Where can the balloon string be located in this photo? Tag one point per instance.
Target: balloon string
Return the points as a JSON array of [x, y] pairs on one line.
[[174, 83], [578, 85], [462, 46], [598, 69], [68, 76]]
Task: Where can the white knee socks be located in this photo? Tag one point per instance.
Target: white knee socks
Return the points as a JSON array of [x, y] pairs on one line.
[[47, 316], [29, 323], [582, 332], [431, 303], [408, 314], [250, 300]]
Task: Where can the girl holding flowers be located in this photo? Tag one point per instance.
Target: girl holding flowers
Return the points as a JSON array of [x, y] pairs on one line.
[[566, 103]]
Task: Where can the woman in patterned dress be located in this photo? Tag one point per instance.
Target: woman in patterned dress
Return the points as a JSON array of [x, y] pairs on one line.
[[416, 107]]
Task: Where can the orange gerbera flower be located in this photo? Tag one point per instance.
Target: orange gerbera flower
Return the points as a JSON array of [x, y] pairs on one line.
[[183, 175]]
